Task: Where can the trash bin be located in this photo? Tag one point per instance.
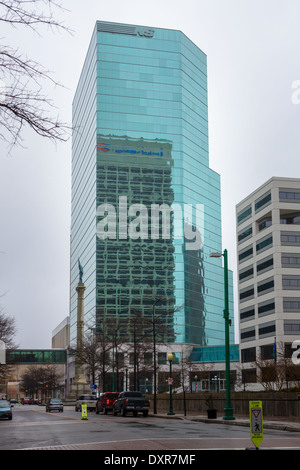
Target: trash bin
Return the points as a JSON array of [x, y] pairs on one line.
[[212, 414]]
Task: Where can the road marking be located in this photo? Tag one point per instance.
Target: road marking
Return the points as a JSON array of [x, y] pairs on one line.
[[56, 414], [30, 423], [148, 441]]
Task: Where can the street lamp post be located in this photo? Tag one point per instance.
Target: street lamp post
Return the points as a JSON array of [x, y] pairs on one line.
[[216, 381], [154, 354], [170, 359], [228, 409], [113, 366]]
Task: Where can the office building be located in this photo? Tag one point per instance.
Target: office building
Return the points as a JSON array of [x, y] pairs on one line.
[[140, 142], [268, 240]]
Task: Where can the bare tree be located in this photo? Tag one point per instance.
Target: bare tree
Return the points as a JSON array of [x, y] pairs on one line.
[[7, 330], [186, 367], [7, 335], [159, 331], [105, 338], [87, 353], [273, 373], [22, 101], [31, 381], [43, 379], [110, 339], [138, 344], [117, 328]]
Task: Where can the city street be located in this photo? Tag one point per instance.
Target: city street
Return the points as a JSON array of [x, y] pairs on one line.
[[33, 428]]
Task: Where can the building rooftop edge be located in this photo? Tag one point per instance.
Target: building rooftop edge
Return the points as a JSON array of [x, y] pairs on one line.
[[266, 183], [148, 26], [61, 325]]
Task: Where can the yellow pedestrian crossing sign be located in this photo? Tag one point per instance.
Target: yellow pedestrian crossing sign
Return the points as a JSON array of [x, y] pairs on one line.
[[256, 423]]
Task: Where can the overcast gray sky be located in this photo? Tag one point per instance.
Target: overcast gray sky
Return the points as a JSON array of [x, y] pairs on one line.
[[253, 51]]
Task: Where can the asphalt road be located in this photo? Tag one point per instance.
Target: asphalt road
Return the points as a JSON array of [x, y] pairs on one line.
[[33, 428]]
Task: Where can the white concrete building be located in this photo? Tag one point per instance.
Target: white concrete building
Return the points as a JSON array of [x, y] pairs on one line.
[[268, 246]]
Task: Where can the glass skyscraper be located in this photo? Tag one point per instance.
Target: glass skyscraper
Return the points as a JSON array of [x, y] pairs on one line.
[[145, 205]]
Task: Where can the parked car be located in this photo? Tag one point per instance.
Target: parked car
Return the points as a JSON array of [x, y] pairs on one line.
[[131, 402], [26, 401], [13, 401], [54, 404], [5, 409], [106, 401], [89, 400]]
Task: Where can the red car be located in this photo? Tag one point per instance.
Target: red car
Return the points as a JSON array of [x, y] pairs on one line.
[[106, 401], [27, 401]]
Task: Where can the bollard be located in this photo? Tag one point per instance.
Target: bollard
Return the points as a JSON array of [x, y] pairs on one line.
[[84, 412]]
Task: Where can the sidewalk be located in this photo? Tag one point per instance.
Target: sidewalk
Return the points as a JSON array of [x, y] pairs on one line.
[[268, 423]]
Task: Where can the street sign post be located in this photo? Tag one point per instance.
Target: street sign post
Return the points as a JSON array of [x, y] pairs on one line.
[[256, 423]]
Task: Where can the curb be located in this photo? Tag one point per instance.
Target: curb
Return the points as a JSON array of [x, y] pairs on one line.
[[281, 426]]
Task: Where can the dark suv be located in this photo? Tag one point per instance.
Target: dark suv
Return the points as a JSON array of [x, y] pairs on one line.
[[106, 401]]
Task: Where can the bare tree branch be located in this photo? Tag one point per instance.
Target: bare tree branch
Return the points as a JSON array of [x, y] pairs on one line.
[[21, 99], [8, 330], [26, 12]]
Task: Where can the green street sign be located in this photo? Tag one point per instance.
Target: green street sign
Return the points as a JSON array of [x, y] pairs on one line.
[[256, 423]]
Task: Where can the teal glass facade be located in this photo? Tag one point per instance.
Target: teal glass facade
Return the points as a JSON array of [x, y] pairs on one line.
[[140, 117], [214, 354]]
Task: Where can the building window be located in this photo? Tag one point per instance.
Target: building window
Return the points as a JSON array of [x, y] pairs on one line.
[[262, 202], [244, 295], [176, 358], [266, 308], [266, 352], [292, 218], [290, 238], [266, 330], [264, 265], [131, 358], [264, 244], [264, 223], [244, 215], [247, 253], [292, 260], [291, 305], [148, 359], [292, 282], [248, 334], [248, 355], [267, 285], [120, 359], [247, 314], [268, 374], [27, 356], [162, 358], [245, 234], [249, 376], [292, 327], [288, 350], [289, 196], [248, 273]]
